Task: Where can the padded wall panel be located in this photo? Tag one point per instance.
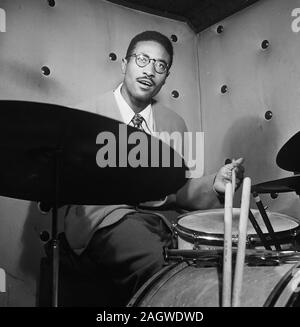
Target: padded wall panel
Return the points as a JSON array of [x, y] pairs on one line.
[[258, 80], [74, 39]]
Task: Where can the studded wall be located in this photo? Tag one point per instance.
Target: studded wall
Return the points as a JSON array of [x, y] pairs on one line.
[[64, 52], [249, 78]]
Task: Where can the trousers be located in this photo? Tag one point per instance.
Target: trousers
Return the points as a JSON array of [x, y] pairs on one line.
[[123, 256]]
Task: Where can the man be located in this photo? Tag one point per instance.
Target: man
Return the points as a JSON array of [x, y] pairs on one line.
[[122, 245]]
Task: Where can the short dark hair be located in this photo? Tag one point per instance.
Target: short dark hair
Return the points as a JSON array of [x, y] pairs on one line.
[[152, 36]]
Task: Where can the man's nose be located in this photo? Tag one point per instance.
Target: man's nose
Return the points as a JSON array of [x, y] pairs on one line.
[[149, 69]]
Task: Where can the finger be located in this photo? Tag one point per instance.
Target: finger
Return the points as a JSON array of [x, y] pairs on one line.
[[233, 160], [237, 162], [230, 167], [227, 177], [225, 181]]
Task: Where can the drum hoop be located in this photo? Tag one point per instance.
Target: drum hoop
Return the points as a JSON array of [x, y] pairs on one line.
[[217, 239], [156, 280], [277, 291]]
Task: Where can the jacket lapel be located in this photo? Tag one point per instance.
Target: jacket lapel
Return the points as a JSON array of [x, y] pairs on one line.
[[108, 107]]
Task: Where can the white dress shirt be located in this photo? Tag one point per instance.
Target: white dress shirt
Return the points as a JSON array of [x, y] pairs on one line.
[[127, 113]]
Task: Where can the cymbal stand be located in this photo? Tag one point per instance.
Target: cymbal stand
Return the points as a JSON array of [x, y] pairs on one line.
[[259, 231], [55, 240], [266, 220]]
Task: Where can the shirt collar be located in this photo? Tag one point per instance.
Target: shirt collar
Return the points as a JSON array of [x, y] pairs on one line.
[[126, 112]]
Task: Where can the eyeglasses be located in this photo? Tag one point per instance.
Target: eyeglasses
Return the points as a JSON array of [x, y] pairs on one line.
[[143, 60]]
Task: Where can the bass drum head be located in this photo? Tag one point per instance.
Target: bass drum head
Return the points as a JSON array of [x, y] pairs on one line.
[[186, 285]]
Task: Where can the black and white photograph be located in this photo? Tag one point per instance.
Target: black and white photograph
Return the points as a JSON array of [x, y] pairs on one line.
[[149, 166]]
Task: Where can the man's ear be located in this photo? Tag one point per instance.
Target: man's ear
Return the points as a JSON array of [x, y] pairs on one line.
[[168, 73], [124, 65]]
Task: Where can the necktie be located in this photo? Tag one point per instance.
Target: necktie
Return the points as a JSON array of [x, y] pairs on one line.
[[137, 121]]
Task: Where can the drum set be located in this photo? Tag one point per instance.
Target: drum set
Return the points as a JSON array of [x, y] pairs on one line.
[[50, 157], [265, 252]]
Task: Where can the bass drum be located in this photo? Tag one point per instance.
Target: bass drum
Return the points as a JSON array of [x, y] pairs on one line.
[[186, 285]]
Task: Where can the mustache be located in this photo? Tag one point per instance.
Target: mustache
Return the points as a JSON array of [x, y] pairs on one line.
[[146, 78]]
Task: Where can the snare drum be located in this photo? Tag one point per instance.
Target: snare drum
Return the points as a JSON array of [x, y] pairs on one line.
[[205, 229], [187, 285]]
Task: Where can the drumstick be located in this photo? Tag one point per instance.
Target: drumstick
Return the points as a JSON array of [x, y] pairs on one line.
[[266, 220], [2, 281], [233, 178], [240, 257], [227, 250]]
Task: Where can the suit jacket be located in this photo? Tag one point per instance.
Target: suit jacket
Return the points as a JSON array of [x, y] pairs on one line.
[[165, 119], [82, 221]]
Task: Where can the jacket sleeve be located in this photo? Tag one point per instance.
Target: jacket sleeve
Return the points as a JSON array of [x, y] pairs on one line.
[[198, 194]]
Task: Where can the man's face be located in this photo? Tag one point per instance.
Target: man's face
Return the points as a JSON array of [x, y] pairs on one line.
[[141, 84]]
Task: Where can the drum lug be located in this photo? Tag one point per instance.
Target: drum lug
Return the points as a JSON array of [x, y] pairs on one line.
[[196, 242], [174, 225], [294, 233], [250, 242], [235, 238], [174, 236]]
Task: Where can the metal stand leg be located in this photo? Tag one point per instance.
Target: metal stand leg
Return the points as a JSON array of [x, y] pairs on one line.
[[55, 240], [266, 220], [55, 259], [259, 231]]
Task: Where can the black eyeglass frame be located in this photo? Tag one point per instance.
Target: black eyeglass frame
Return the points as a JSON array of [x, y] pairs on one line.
[[149, 60]]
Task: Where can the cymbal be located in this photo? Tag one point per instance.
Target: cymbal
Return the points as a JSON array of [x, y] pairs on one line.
[[36, 136], [288, 157], [287, 184]]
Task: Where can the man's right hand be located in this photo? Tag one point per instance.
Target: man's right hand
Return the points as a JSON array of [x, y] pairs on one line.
[[224, 175]]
